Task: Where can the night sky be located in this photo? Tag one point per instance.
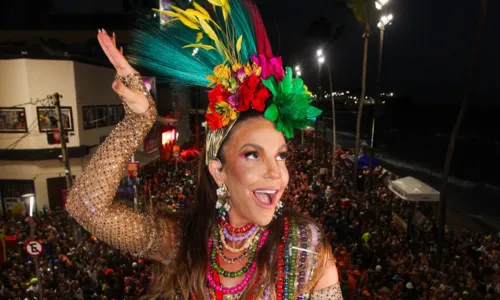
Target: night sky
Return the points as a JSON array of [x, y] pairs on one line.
[[427, 49]]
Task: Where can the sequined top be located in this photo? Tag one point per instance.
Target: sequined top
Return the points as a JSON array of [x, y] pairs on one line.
[[332, 292], [90, 201]]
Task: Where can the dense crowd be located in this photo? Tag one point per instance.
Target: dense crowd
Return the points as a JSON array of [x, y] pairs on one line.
[[375, 257]]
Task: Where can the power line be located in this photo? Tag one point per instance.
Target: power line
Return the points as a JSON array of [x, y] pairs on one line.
[[14, 144], [37, 101]]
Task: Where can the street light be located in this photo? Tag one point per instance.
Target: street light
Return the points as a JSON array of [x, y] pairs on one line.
[[299, 73], [384, 20], [297, 68], [379, 4], [321, 60], [319, 53]]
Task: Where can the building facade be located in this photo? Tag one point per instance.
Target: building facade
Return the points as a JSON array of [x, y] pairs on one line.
[[29, 160]]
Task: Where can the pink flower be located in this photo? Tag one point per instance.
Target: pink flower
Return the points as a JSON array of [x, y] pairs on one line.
[[270, 66]]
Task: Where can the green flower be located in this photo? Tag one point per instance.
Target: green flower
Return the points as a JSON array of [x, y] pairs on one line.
[[290, 105]]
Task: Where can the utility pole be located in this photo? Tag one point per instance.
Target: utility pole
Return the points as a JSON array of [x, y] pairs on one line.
[[64, 150], [371, 177], [64, 153], [334, 121]]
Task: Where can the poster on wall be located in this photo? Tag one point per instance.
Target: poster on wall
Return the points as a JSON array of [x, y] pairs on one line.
[[13, 120], [152, 140], [89, 117], [133, 169], [101, 115], [47, 118], [164, 5]]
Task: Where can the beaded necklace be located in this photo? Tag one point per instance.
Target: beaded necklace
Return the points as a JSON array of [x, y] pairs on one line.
[[232, 229], [247, 271], [295, 265], [248, 243]]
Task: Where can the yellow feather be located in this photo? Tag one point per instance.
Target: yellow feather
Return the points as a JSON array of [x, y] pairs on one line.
[[191, 17], [197, 14], [208, 30], [201, 9], [188, 23], [225, 13], [202, 46], [216, 25], [238, 44], [222, 51], [199, 36], [166, 12], [225, 5], [215, 2]]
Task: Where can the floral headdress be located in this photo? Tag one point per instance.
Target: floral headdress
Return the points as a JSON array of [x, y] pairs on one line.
[[230, 44]]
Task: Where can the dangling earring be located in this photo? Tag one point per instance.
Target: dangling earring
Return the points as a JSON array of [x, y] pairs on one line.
[[222, 204], [279, 210]]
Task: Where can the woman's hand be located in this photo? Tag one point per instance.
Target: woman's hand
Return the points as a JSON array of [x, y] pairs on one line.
[[136, 101]]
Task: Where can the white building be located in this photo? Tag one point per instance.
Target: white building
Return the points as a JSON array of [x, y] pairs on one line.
[[28, 163]]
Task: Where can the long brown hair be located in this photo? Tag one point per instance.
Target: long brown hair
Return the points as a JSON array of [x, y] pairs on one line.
[[185, 274]]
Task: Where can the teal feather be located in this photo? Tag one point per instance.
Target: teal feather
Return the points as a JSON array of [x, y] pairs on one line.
[[159, 48], [243, 25]]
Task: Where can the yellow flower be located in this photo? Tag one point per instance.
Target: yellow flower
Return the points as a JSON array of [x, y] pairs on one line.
[[221, 72], [226, 110], [249, 68]]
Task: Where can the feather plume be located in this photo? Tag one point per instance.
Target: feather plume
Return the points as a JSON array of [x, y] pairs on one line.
[[243, 26], [160, 49], [260, 33]]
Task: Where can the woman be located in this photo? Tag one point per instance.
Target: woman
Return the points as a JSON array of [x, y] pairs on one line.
[[235, 242]]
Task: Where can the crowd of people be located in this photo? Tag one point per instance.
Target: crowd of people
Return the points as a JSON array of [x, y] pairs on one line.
[[375, 257]]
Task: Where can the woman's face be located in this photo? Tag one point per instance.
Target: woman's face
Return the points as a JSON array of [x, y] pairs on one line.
[[254, 171]]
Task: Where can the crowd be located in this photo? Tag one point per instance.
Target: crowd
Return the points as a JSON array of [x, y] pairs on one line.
[[375, 257]]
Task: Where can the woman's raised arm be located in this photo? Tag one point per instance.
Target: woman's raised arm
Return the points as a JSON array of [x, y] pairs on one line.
[[90, 201]]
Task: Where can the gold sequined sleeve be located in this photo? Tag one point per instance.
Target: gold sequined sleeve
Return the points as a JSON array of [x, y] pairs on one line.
[[332, 292], [90, 201]]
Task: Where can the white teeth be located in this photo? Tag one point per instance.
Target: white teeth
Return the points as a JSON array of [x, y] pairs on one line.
[[266, 191]]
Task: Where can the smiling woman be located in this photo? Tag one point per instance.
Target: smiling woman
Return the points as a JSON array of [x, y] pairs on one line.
[[236, 241]]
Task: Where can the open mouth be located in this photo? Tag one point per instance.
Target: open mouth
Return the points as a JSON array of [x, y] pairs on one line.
[[265, 197]]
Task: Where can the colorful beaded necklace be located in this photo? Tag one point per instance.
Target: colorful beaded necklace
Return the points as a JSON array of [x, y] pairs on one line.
[[295, 266]]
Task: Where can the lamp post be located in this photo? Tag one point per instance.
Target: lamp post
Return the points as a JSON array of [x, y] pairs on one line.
[[321, 60], [385, 20], [298, 72]]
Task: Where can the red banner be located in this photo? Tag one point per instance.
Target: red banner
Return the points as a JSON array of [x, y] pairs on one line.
[[152, 141]]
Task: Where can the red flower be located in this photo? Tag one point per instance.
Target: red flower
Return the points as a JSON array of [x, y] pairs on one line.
[[218, 93], [214, 120], [253, 94]]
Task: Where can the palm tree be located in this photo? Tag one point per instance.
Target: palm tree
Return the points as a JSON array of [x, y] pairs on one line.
[[456, 129], [361, 11]]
